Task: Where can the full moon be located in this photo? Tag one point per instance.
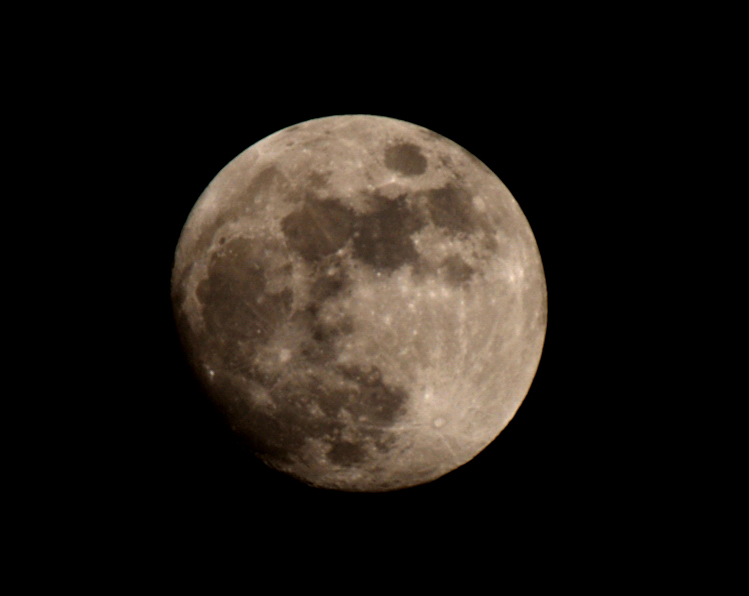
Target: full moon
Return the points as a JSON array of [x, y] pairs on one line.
[[363, 300]]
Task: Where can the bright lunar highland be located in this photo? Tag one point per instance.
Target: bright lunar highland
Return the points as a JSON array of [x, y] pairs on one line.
[[364, 301]]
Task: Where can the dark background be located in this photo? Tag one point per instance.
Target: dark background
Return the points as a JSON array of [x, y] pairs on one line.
[[171, 465]]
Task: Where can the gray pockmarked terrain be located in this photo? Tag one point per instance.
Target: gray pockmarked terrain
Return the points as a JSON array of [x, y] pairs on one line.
[[363, 299]]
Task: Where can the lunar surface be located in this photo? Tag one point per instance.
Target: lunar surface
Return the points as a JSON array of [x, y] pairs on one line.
[[364, 301]]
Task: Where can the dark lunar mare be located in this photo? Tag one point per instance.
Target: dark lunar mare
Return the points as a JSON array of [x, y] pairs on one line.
[[382, 239], [318, 229], [450, 207], [405, 158], [456, 271]]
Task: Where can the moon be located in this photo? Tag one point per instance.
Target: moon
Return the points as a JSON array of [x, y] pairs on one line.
[[363, 300]]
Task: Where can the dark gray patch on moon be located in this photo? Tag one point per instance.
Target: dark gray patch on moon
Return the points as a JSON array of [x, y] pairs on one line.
[[235, 304], [345, 453], [383, 238], [406, 159], [328, 282], [451, 208], [318, 179], [375, 401], [456, 271], [318, 229]]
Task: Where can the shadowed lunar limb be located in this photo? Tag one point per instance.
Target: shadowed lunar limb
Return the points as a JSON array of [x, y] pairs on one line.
[[363, 300]]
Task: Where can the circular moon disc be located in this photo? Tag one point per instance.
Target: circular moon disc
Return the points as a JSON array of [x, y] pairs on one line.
[[363, 299]]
